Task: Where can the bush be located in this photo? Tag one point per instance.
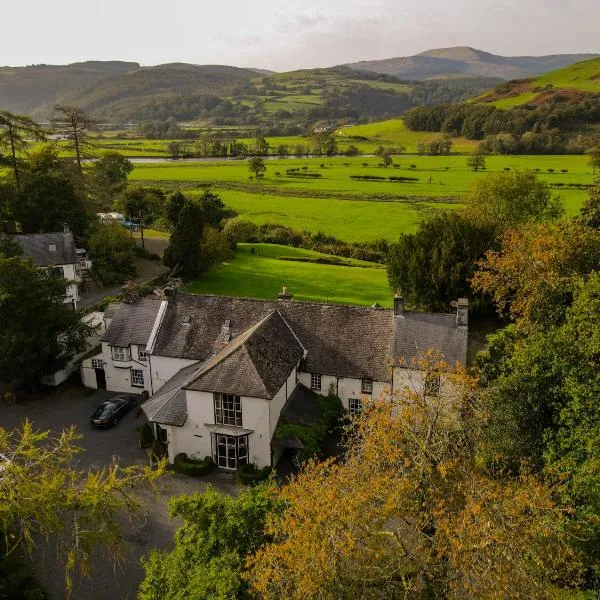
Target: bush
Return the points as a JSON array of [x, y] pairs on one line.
[[507, 169], [157, 450], [413, 166], [192, 467], [550, 170], [249, 474], [564, 170]]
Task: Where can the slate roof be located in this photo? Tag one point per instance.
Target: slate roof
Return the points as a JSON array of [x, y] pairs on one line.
[[133, 323], [168, 406], [256, 363], [37, 247], [301, 407]]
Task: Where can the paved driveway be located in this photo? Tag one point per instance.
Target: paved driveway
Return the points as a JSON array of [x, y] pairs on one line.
[[73, 405]]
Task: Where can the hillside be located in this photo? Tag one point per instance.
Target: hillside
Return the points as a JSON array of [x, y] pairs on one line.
[[463, 61], [33, 89], [566, 84]]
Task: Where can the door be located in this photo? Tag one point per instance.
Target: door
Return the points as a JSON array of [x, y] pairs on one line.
[[230, 451], [100, 379]]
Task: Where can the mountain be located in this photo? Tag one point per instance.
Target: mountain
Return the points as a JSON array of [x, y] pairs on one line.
[[34, 89], [570, 83], [462, 61]]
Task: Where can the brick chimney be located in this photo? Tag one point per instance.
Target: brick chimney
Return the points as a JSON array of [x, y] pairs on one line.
[[284, 294], [462, 312], [398, 305]]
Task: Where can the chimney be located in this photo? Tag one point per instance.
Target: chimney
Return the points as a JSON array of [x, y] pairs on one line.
[[462, 312], [284, 294], [398, 305], [66, 228]]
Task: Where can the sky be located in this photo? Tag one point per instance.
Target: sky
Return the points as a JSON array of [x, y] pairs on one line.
[[288, 34]]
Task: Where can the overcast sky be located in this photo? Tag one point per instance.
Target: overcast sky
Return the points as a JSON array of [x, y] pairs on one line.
[[288, 34]]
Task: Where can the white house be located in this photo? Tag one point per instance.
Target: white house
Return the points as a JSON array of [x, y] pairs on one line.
[[221, 372], [57, 252]]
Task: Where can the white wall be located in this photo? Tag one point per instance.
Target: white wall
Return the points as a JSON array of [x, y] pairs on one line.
[[118, 376], [164, 367]]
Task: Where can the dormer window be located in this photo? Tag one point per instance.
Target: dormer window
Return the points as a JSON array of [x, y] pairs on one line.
[[366, 386]]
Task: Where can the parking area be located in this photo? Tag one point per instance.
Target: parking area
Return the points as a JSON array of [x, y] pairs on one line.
[[73, 405]]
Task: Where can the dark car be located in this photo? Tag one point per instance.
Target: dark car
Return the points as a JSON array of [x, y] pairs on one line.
[[110, 412]]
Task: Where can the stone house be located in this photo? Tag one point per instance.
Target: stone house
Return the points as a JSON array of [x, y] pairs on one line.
[[221, 371]]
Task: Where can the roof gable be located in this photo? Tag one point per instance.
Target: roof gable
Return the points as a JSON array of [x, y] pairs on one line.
[[133, 323], [47, 249]]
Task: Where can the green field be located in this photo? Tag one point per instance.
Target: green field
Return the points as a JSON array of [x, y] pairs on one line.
[[261, 275], [357, 210]]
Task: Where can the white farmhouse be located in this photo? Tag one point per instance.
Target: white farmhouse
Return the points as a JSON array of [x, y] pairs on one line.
[[57, 252], [221, 372]]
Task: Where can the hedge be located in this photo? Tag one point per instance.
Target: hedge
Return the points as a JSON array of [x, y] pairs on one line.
[[191, 467], [249, 474]]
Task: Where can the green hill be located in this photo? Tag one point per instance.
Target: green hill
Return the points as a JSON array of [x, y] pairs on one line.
[[567, 84]]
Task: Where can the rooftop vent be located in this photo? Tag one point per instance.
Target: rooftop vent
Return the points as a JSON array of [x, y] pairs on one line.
[[52, 247], [187, 320], [284, 294], [225, 335]]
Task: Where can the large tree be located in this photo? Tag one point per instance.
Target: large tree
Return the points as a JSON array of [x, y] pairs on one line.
[[44, 495], [39, 332], [257, 166], [433, 266], [111, 251], [16, 131], [108, 177], [74, 124], [505, 200], [409, 513], [142, 203], [185, 250]]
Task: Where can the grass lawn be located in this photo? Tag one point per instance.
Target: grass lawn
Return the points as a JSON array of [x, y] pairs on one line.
[[261, 275]]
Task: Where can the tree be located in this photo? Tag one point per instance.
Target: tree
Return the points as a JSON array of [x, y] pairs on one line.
[[531, 278], [184, 249], [48, 200], [40, 333], [476, 162], [257, 166], [16, 131], [111, 251], [408, 513], [505, 200], [351, 150], [387, 160], [594, 155], [214, 247], [109, 175], [74, 124], [45, 495], [217, 534], [175, 150], [261, 146], [141, 203], [213, 209], [240, 230], [9, 247], [174, 203], [590, 211], [434, 266], [282, 150]]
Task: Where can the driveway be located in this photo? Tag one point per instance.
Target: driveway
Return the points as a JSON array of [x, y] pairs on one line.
[[73, 405]]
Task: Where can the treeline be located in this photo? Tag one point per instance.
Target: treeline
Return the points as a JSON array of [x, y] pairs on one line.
[[545, 128]]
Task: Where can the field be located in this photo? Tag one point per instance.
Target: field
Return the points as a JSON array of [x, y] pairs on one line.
[[262, 275], [355, 210]]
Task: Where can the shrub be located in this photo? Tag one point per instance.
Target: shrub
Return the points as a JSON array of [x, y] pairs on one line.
[[249, 474], [413, 166], [192, 467], [550, 170], [365, 164], [507, 169], [157, 450], [537, 170], [564, 170]]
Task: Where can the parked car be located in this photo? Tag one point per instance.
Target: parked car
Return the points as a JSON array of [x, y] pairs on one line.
[[110, 412]]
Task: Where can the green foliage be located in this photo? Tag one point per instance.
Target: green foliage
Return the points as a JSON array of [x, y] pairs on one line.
[[215, 247], [185, 243], [111, 249], [312, 435], [174, 203], [257, 167], [250, 475], [504, 200], [213, 209], [432, 267], [590, 211], [217, 534], [146, 436], [39, 333], [108, 177], [9, 247], [192, 467]]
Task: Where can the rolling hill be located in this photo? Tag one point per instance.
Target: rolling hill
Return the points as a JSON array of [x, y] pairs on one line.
[[569, 83], [463, 61]]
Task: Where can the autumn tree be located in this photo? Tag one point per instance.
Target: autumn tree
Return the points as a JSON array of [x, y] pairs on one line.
[[16, 131], [505, 200], [74, 124], [44, 496], [408, 513], [532, 276]]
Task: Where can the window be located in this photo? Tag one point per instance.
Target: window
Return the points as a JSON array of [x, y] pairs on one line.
[[315, 381], [230, 452], [431, 386], [142, 354], [137, 378], [228, 410], [97, 363], [366, 386], [58, 272], [354, 405], [121, 353]]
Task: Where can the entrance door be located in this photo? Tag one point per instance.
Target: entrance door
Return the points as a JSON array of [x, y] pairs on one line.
[[100, 379], [230, 451]]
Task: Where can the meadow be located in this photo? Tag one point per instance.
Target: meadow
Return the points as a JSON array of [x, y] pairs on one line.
[[356, 210], [262, 275]]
